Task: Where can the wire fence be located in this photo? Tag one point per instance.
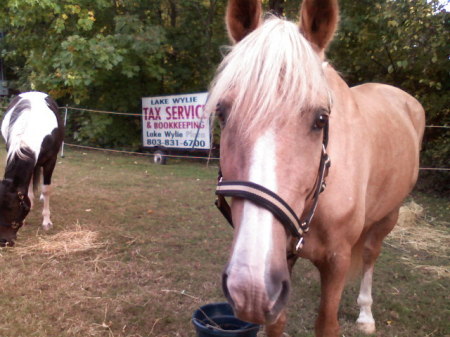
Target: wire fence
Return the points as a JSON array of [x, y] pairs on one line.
[[148, 154], [66, 109], [145, 154], [101, 111]]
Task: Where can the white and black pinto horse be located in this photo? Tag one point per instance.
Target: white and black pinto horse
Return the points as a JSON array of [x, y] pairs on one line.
[[33, 132]]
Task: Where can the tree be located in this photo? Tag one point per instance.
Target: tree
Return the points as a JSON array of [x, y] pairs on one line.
[[195, 34], [403, 43], [108, 54], [82, 51]]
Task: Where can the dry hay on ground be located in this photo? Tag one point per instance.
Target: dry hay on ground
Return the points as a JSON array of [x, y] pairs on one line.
[[413, 232], [62, 243]]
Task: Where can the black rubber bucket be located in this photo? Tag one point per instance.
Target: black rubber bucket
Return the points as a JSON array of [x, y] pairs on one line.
[[218, 320]]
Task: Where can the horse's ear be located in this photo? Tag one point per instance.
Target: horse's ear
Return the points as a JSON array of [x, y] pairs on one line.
[[243, 16], [318, 22]]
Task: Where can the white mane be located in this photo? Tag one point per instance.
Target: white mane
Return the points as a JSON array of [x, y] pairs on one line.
[[270, 76]]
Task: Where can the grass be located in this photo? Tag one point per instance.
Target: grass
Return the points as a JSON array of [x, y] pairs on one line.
[[137, 247]]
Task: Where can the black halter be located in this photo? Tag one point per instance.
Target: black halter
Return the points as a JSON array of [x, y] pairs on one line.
[[267, 199]]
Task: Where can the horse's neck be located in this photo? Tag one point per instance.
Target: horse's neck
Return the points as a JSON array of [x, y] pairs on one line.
[[335, 82], [343, 101], [20, 171]]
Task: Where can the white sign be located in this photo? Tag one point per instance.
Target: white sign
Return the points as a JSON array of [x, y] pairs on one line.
[[176, 121]]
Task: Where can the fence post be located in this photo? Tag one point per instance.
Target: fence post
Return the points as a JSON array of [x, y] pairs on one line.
[[65, 122]]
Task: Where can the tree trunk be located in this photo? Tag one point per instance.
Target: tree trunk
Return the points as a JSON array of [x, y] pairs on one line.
[[277, 6], [173, 13]]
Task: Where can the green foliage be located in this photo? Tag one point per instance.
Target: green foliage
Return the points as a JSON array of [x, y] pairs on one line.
[[73, 49], [108, 54], [102, 130], [195, 31], [403, 43]]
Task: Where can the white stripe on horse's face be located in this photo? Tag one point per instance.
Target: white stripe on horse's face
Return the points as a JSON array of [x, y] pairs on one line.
[[254, 243]]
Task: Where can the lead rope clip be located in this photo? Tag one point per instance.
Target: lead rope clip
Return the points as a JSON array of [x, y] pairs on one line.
[[299, 244]]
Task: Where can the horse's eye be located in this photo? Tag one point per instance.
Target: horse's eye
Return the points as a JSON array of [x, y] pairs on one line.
[[321, 121], [220, 113], [220, 116]]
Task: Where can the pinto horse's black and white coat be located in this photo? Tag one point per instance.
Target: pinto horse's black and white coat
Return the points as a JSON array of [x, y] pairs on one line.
[[33, 132]]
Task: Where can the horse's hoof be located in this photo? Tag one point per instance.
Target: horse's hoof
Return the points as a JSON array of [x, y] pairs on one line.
[[367, 328], [47, 226]]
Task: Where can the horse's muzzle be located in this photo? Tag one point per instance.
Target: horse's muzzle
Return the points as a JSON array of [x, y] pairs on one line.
[[7, 236], [259, 303], [6, 243]]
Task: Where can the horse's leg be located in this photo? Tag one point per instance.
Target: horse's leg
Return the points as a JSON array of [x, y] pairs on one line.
[[46, 191], [371, 249], [46, 222], [365, 320], [31, 193], [333, 270], [276, 329]]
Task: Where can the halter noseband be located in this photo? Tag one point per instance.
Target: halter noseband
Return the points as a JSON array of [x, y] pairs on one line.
[[269, 200]]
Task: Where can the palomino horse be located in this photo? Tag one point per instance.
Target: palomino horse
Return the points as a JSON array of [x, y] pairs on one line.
[[276, 99], [33, 133]]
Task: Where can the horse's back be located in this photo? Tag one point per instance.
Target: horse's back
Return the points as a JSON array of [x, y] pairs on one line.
[[394, 125], [390, 100], [31, 118], [30, 108]]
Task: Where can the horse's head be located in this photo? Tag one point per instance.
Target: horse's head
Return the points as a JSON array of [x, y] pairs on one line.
[[273, 102], [14, 207]]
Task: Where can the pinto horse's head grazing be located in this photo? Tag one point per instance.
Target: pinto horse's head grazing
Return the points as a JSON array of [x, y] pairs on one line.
[[33, 133], [14, 209], [275, 96]]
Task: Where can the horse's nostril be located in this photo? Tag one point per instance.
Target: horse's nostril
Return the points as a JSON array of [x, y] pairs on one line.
[[282, 299], [4, 243], [225, 290]]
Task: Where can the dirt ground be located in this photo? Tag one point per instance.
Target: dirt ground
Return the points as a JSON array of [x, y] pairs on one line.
[[137, 247]]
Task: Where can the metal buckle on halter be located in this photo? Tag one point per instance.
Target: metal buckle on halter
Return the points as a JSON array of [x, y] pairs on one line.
[[304, 226], [300, 243]]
